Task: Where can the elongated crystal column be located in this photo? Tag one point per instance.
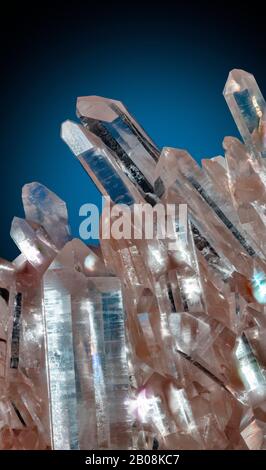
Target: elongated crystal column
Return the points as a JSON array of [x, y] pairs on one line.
[[248, 108], [245, 175], [131, 147], [60, 362], [109, 363], [86, 354], [100, 163], [185, 181], [111, 121], [250, 371]]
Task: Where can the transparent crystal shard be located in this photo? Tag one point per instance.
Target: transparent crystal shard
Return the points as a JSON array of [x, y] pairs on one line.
[[216, 170], [118, 140], [112, 123], [144, 342], [251, 372], [161, 280], [182, 176], [45, 208], [247, 185], [225, 237], [24, 398], [225, 175], [248, 108], [60, 363], [32, 354], [183, 417], [135, 263], [185, 275], [101, 165], [26, 359], [86, 354], [33, 242], [109, 358]]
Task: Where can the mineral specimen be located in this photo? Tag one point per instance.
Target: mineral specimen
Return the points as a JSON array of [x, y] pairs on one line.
[[142, 343]]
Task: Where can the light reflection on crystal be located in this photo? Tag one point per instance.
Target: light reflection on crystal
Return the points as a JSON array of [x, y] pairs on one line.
[[192, 289], [141, 406], [247, 106], [142, 343], [259, 287]]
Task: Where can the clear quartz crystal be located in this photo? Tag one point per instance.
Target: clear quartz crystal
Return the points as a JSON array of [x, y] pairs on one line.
[[142, 343], [86, 355], [33, 242], [111, 121], [99, 162], [45, 208], [248, 108]]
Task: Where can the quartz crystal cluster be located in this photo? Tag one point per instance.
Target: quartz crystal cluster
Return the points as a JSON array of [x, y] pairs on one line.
[[138, 343]]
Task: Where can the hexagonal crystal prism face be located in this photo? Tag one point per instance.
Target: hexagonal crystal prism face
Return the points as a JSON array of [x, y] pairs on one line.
[[112, 123], [86, 353], [248, 108], [113, 172], [108, 111], [45, 208], [33, 242]]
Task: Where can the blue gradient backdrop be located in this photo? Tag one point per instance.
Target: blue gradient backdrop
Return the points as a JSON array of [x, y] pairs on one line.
[[168, 67]]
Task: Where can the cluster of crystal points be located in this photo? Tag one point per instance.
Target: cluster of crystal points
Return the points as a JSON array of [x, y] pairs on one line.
[[134, 345]]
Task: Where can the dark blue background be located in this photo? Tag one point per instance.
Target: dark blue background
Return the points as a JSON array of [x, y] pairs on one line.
[[167, 64]]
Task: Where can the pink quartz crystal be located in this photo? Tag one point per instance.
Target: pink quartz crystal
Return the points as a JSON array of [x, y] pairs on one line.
[[139, 343]]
